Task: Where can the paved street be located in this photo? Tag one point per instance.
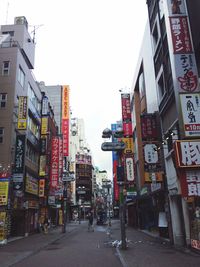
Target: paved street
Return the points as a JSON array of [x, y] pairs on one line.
[[78, 247]]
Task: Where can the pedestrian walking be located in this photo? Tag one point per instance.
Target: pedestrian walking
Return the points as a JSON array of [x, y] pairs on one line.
[[90, 218], [46, 225]]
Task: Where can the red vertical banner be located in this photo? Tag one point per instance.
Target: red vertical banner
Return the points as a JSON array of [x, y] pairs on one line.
[[126, 115], [65, 120], [126, 107], [54, 172]]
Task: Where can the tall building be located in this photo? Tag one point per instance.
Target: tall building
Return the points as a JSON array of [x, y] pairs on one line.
[[167, 164], [20, 99]]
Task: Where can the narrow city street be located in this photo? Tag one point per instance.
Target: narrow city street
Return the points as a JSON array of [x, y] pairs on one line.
[[78, 247]]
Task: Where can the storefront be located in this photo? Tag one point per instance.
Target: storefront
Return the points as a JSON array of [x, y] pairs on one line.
[[188, 165]]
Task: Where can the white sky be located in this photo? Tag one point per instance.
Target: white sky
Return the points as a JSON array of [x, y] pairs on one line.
[[91, 45]]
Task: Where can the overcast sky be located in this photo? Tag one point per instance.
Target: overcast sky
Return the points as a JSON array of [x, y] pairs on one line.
[[91, 45]]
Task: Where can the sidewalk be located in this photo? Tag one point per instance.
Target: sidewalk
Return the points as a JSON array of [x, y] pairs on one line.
[[143, 248], [9, 255]]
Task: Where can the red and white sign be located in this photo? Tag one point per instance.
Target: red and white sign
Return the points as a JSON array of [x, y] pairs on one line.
[[180, 35], [190, 106], [190, 183], [127, 129], [126, 107], [60, 158], [149, 126], [129, 169], [54, 173], [187, 153], [186, 73]]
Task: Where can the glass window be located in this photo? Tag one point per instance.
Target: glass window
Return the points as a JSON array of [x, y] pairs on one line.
[[21, 76], [1, 135], [161, 89], [33, 98], [6, 68], [3, 100]]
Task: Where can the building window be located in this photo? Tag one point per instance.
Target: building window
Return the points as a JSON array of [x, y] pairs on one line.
[[6, 68], [1, 135], [3, 100], [33, 98], [21, 76], [156, 34], [160, 84], [11, 33]]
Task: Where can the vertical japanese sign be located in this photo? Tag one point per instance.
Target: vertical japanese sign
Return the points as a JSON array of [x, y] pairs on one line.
[[180, 35], [129, 169], [149, 127], [187, 153], [65, 119], [151, 157], [42, 167], [45, 105], [60, 158], [190, 183], [4, 185], [184, 58], [41, 187], [44, 125], [22, 113], [126, 115], [19, 153], [54, 172], [190, 106]]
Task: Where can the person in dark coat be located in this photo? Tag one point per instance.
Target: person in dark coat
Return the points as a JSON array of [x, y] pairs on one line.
[[90, 218]]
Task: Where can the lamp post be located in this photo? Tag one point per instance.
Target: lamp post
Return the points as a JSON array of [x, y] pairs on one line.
[[118, 147]]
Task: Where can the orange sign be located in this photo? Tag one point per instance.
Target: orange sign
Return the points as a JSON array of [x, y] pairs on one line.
[[65, 102], [41, 187]]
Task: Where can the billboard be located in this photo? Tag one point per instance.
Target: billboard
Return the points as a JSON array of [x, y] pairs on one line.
[[190, 108], [187, 153], [54, 171], [190, 183], [22, 113], [19, 153], [65, 119], [149, 127]]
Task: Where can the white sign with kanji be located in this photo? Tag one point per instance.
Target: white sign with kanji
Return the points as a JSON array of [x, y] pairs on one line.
[[190, 107], [150, 153], [193, 183]]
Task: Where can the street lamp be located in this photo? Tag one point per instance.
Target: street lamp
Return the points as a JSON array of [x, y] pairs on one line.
[[118, 147]]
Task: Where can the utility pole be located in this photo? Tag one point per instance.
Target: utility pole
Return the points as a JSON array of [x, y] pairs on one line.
[[120, 182], [118, 147], [64, 207]]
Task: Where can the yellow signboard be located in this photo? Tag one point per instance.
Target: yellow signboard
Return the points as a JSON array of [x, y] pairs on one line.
[[4, 193], [44, 126], [153, 176], [65, 102], [42, 168], [129, 145], [22, 113]]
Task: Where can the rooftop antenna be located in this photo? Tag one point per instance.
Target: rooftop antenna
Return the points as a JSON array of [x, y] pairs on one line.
[[7, 12], [35, 27]]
